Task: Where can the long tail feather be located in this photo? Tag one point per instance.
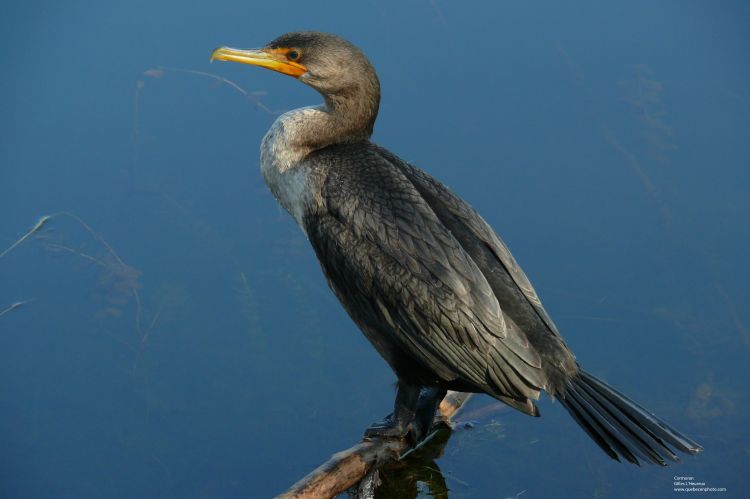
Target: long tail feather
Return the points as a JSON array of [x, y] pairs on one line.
[[621, 427]]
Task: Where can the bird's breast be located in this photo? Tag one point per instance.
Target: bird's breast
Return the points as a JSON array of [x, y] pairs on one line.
[[284, 171]]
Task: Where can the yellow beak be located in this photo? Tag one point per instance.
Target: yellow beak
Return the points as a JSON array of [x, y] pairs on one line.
[[274, 59]]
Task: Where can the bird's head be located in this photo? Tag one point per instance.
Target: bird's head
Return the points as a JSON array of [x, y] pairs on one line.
[[328, 63]]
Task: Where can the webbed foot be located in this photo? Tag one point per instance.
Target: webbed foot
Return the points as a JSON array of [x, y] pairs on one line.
[[398, 423], [388, 427]]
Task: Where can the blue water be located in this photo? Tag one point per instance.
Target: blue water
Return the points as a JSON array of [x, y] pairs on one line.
[[183, 342]]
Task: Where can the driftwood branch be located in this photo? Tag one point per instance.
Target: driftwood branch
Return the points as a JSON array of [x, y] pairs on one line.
[[347, 468]]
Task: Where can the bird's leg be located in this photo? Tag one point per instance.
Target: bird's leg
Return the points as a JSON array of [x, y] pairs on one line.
[[429, 400], [397, 423]]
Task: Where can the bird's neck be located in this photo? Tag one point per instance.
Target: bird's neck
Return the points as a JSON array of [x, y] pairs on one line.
[[350, 116], [297, 133], [339, 119]]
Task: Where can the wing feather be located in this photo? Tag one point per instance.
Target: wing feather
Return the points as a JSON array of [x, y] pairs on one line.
[[392, 261], [480, 229]]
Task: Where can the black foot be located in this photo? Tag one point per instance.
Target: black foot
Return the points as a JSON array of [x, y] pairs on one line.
[[388, 427], [397, 424]]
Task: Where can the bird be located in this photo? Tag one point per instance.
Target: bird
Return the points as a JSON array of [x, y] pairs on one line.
[[428, 281]]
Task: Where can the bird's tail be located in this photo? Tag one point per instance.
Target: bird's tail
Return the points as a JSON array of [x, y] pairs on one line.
[[620, 426]]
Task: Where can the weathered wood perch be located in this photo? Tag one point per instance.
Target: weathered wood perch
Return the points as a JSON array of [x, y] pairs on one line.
[[346, 468]]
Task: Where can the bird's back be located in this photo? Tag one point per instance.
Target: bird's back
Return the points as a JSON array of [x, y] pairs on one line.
[[369, 193], [517, 296], [515, 293]]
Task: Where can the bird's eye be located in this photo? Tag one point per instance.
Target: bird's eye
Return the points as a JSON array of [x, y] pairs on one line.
[[293, 55]]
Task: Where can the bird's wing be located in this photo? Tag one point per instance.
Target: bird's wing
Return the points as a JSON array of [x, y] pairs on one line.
[[463, 214], [385, 252]]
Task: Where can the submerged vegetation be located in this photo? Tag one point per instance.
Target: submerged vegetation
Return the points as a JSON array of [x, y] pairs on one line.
[[120, 281]]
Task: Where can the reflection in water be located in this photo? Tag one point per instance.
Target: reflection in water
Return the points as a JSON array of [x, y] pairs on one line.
[[418, 474]]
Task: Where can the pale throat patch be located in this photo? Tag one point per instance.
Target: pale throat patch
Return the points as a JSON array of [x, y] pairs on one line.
[[281, 162]]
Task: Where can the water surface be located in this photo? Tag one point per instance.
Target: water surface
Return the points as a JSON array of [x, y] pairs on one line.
[[183, 343]]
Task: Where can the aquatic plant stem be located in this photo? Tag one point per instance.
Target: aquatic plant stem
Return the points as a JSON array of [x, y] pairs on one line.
[[30, 233], [13, 306]]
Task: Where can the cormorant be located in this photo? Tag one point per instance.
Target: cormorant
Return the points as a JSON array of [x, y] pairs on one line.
[[427, 280]]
